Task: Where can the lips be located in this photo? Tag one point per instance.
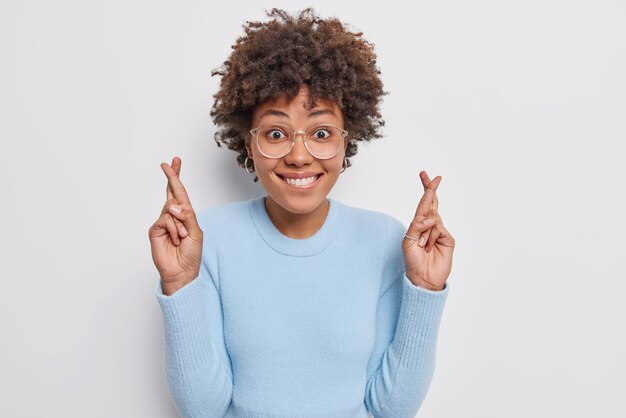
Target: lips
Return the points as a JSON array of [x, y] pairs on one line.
[[299, 179], [298, 175]]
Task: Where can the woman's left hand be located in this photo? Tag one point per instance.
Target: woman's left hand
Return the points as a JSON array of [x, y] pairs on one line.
[[428, 258]]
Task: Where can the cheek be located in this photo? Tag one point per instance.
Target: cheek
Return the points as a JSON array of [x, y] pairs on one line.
[[333, 165], [264, 165], [338, 160], [261, 163]]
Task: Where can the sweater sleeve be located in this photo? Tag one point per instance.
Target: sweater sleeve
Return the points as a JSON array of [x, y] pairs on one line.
[[402, 362], [196, 363]]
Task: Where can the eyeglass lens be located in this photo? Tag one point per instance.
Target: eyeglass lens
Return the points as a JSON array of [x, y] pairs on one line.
[[275, 140]]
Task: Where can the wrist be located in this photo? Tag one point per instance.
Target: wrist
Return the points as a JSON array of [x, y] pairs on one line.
[[422, 284], [433, 289], [169, 287]]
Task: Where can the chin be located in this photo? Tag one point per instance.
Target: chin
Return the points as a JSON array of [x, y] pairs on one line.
[[299, 204]]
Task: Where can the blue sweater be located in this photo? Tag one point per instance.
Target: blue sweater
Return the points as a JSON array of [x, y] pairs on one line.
[[327, 326]]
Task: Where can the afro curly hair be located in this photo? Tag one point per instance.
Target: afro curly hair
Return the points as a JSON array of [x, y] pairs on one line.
[[274, 58]]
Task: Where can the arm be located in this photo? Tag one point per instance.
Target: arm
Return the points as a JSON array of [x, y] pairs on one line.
[[197, 365], [402, 363]]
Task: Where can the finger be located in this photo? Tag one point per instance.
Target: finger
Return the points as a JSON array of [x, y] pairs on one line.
[[435, 232], [171, 228], [176, 163], [184, 213], [423, 239], [178, 224], [168, 203], [418, 227], [426, 181], [427, 199], [159, 228], [176, 185], [445, 238]]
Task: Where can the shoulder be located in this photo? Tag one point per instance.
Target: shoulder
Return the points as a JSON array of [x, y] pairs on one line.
[[380, 224], [227, 216], [222, 211]]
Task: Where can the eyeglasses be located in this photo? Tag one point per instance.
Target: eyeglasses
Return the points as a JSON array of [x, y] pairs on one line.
[[275, 140]]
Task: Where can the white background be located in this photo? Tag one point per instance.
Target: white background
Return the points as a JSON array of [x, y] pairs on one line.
[[519, 105]]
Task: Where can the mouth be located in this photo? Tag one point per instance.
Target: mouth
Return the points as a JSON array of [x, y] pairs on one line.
[[304, 183]]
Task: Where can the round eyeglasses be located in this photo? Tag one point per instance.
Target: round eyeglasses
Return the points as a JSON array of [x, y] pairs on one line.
[[275, 140]]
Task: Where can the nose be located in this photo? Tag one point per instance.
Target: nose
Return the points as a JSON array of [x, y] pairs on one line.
[[299, 155]]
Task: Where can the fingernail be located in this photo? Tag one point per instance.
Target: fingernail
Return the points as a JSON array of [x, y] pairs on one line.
[[175, 209], [421, 241], [429, 221], [183, 230]]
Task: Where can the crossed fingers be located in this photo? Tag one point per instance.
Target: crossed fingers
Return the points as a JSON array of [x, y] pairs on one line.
[[426, 181], [175, 188], [427, 209], [175, 192], [429, 202], [176, 163]]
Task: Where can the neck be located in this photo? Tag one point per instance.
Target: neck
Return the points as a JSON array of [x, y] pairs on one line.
[[296, 225]]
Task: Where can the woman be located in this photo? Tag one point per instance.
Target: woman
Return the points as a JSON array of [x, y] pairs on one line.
[[295, 304]]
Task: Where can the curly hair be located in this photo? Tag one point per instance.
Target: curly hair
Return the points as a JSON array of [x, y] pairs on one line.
[[273, 58]]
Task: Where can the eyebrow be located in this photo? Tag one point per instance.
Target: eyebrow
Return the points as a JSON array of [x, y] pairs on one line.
[[280, 114]]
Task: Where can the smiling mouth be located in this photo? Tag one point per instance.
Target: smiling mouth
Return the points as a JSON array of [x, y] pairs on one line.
[[301, 183]]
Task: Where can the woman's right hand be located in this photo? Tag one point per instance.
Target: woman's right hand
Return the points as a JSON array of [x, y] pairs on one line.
[[176, 238]]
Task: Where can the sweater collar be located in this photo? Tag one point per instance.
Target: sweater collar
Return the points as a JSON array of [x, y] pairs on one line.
[[292, 246]]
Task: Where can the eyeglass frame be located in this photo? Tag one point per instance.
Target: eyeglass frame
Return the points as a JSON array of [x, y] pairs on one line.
[[254, 132]]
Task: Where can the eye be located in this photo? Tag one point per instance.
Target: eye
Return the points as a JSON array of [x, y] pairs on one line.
[[322, 133], [275, 134]]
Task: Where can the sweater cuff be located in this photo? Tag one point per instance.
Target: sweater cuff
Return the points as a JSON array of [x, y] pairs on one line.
[[418, 325], [184, 321]]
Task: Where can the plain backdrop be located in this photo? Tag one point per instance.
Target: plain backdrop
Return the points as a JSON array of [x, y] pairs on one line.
[[519, 105]]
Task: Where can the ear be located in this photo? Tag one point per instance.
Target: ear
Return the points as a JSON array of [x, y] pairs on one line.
[[248, 148]]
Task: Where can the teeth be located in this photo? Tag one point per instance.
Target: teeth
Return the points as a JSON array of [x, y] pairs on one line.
[[301, 182]]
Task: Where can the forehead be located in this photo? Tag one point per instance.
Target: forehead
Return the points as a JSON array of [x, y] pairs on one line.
[[298, 104]]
